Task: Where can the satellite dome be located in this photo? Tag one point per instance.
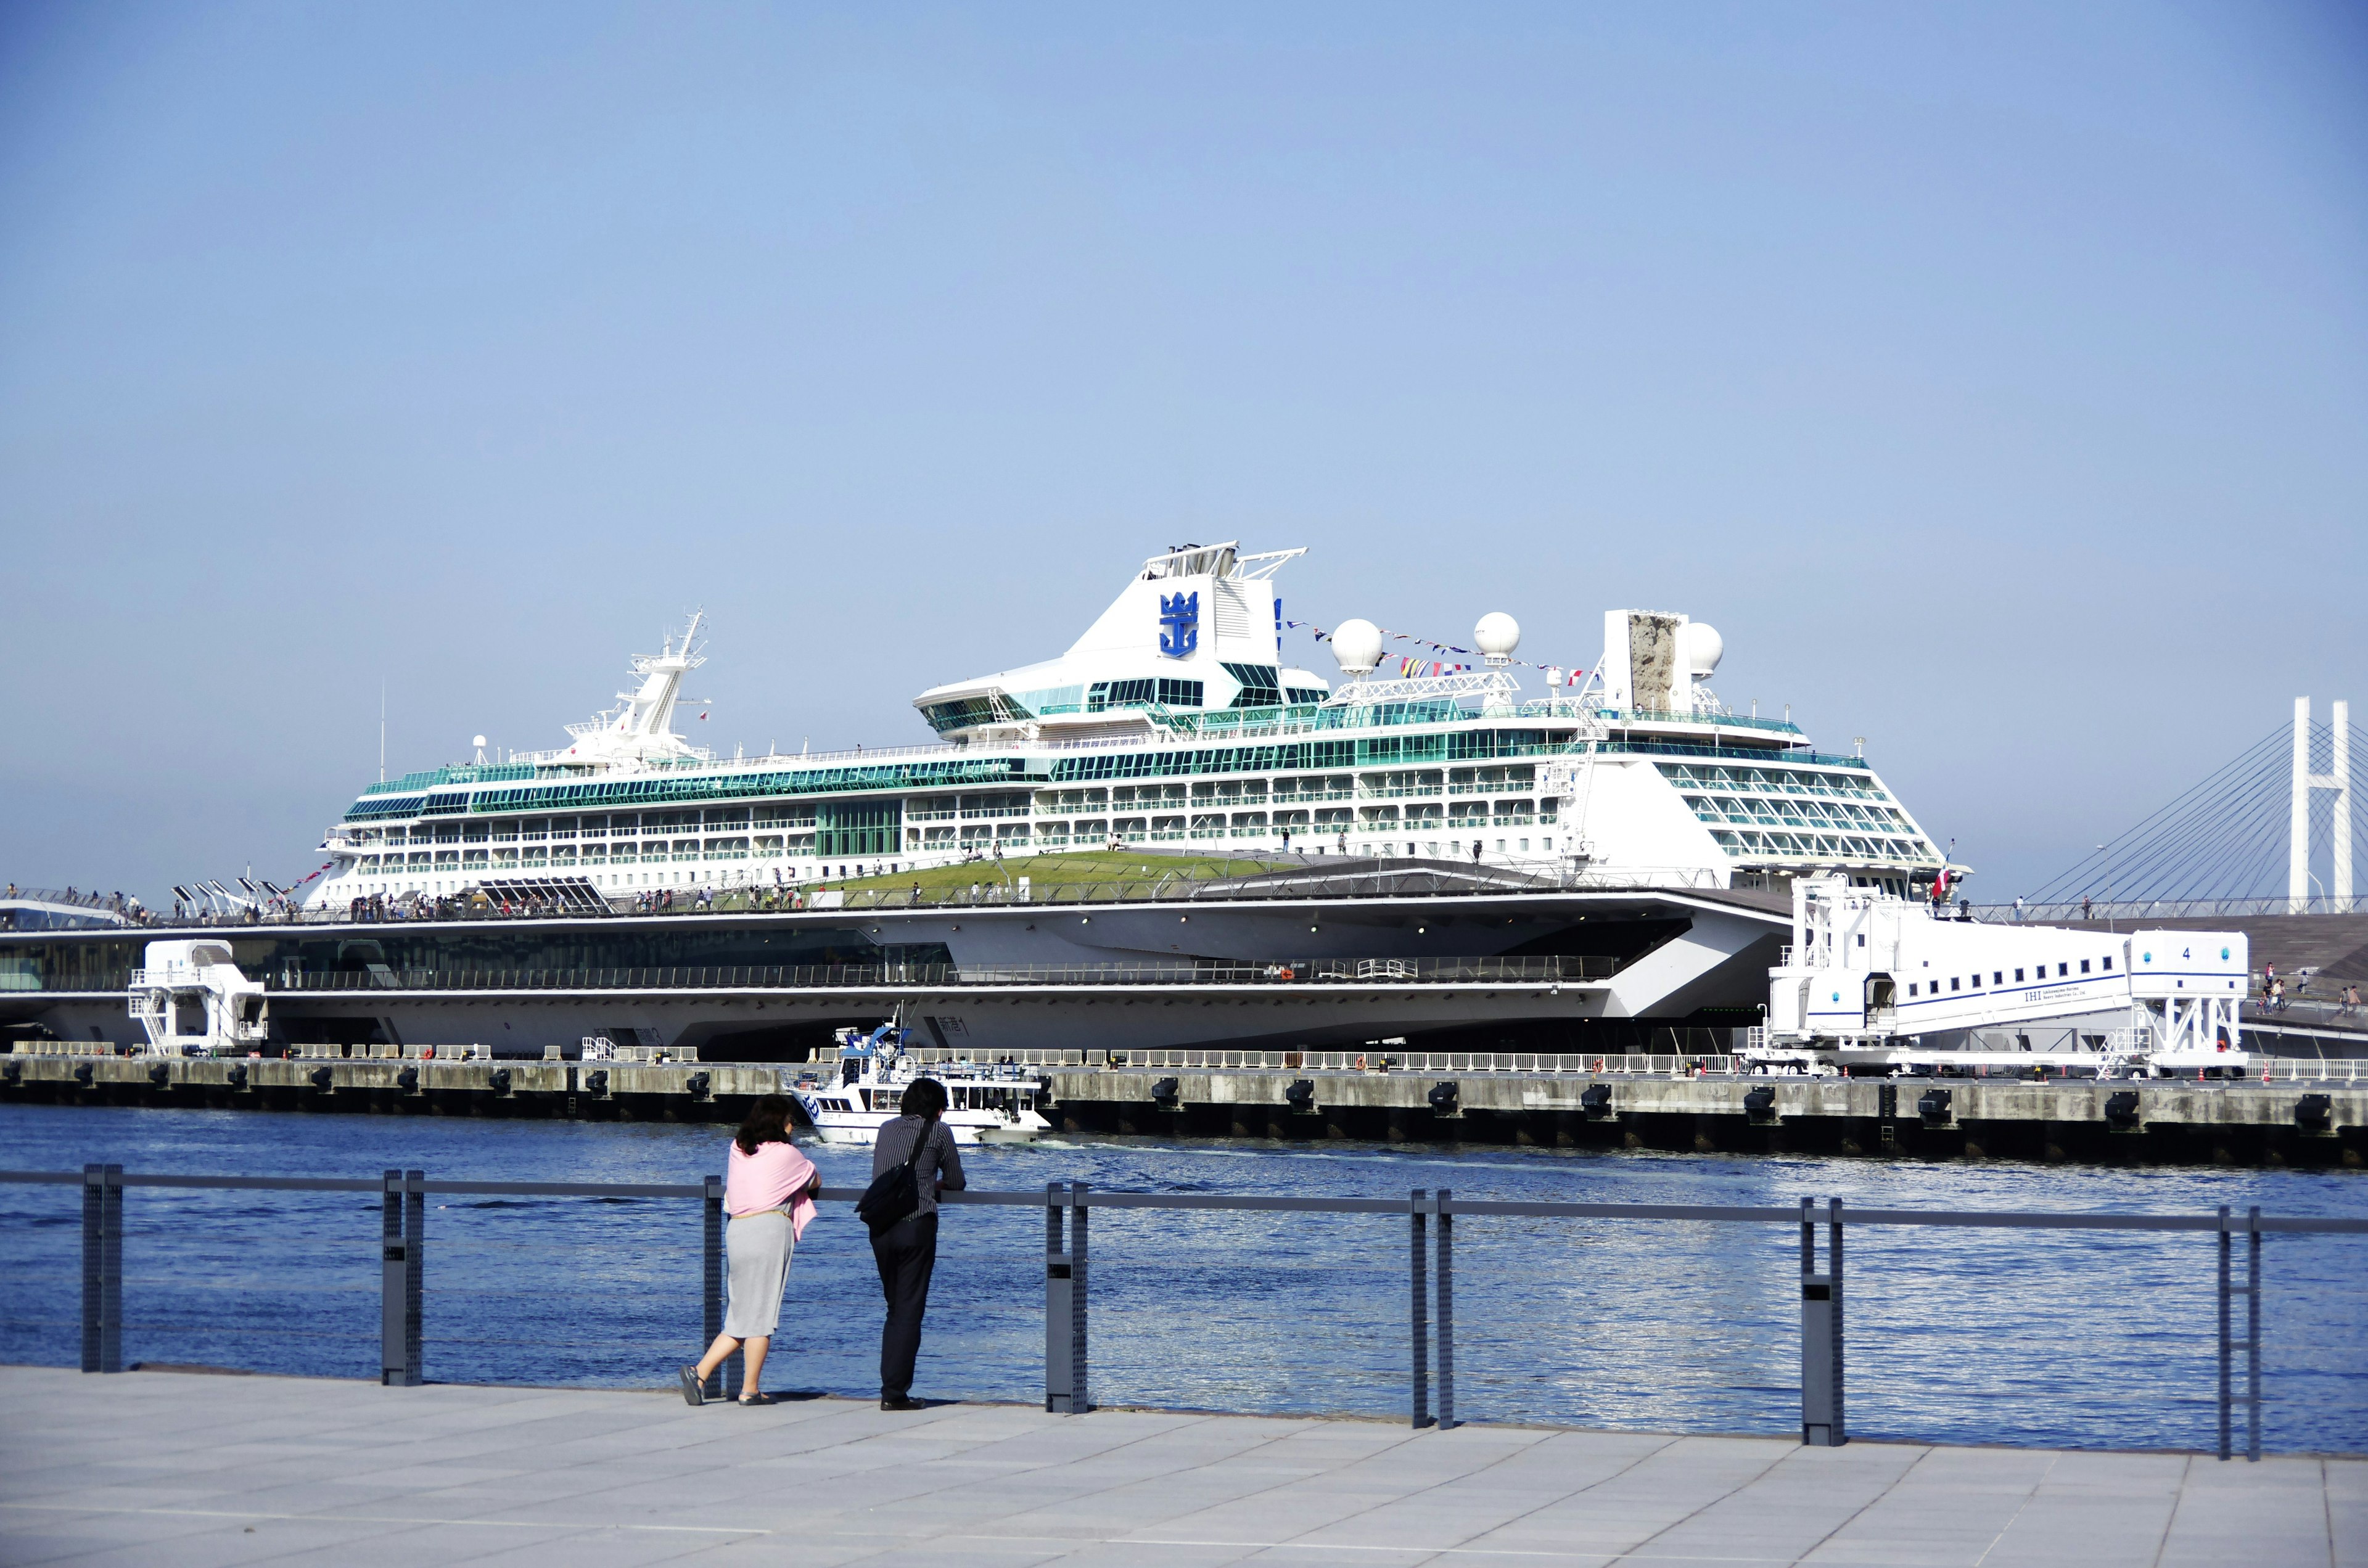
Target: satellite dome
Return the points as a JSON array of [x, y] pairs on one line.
[[1496, 636], [478, 742], [1358, 646], [1701, 647]]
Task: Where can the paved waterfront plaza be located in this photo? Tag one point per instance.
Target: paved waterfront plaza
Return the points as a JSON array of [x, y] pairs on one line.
[[198, 1470]]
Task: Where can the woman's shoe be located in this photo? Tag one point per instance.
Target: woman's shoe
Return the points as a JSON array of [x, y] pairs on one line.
[[691, 1392], [759, 1399]]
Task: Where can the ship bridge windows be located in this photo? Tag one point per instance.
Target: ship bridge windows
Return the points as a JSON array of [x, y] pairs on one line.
[[1261, 685], [1150, 691], [1053, 699], [968, 713]]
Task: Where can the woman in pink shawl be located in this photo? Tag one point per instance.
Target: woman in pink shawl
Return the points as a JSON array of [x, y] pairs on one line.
[[768, 1192]]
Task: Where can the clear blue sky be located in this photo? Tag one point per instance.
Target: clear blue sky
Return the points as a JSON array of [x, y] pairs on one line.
[[1994, 377]]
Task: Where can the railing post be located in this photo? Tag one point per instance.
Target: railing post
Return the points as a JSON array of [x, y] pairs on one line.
[[400, 1225], [2253, 1335], [1420, 1413], [1065, 1392], [711, 1293], [1446, 1312], [102, 1268], [1822, 1423], [2226, 1345]]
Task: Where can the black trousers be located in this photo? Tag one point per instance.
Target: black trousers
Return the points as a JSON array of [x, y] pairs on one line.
[[906, 1253]]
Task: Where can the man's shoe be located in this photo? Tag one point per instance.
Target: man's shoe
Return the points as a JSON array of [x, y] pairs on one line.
[[901, 1403]]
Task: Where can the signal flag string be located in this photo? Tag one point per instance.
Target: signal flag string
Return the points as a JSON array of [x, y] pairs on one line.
[[1409, 665]]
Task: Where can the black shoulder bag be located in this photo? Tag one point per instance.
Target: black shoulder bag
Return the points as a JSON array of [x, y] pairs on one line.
[[895, 1193]]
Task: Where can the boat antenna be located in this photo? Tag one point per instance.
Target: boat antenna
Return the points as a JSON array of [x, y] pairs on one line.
[[382, 729]]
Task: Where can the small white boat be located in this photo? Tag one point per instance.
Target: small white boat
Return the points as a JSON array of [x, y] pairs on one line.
[[987, 1102]]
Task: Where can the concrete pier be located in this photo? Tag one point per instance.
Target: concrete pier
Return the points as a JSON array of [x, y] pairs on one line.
[[2219, 1123], [2303, 1121], [170, 1468]]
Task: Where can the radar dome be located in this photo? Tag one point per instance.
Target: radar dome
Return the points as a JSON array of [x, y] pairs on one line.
[[1702, 648], [478, 742], [1496, 636], [1358, 646]]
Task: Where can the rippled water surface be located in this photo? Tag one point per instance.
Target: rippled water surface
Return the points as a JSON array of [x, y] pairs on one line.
[[1957, 1335]]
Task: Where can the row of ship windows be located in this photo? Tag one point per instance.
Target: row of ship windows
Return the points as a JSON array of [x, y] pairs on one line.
[[1823, 846], [1239, 824], [1181, 826], [1390, 785], [1785, 810], [1771, 780], [1213, 825], [1998, 977]]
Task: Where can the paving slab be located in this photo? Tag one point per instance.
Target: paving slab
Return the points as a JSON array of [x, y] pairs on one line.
[[200, 1472]]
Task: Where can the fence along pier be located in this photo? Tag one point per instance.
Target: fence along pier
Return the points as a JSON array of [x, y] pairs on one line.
[[1068, 1207]]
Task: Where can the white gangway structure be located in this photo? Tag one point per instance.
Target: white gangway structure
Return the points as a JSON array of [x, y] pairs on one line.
[[192, 999], [1876, 981]]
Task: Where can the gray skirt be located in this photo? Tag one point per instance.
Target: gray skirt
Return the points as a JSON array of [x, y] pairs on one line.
[[757, 1248]]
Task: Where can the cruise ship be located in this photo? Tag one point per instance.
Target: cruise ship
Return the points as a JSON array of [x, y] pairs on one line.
[[1435, 839], [1175, 721]]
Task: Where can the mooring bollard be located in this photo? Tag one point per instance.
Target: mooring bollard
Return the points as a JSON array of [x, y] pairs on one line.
[[1446, 1290], [1066, 1391], [401, 1227], [1419, 1415], [102, 1268], [1823, 1425]]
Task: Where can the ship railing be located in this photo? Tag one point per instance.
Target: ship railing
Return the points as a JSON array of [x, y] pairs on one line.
[[2234, 1257], [1550, 970]]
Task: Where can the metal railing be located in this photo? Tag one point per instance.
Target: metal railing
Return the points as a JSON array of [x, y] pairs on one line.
[[1544, 970], [2167, 908], [1711, 1059], [1068, 1205]]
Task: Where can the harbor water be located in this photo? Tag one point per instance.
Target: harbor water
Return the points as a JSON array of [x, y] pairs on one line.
[[1955, 1336]]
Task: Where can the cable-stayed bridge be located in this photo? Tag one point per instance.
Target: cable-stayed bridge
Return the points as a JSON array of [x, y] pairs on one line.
[[2270, 832], [2262, 846]]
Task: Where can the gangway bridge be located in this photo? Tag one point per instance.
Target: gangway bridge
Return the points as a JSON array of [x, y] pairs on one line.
[[1874, 982]]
